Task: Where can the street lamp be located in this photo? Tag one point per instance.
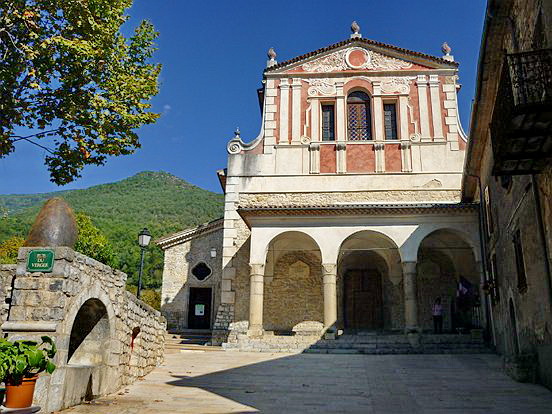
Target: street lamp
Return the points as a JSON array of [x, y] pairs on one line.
[[144, 238]]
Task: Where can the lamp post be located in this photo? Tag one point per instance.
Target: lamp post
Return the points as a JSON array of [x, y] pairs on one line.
[[144, 238]]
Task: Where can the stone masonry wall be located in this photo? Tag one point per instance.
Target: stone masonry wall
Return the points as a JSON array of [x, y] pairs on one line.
[[7, 273], [295, 293], [514, 207], [179, 261], [48, 303]]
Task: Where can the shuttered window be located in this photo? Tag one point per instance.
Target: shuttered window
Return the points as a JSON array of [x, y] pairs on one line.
[[390, 120], [328, 123]]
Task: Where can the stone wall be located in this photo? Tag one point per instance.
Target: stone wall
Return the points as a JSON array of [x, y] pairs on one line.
[[180, 259], [54, 303], [295, 293], [513, 206], [7, 273]]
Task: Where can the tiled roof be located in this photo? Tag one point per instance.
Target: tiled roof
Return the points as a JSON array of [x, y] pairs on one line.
[[185, 235], [364, 41]]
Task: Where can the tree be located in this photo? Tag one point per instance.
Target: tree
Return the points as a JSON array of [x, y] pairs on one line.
[[68, 72], [92, 242], [9, 249]]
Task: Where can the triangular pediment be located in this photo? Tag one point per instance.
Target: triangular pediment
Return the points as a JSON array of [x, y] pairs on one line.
[[360, 54]]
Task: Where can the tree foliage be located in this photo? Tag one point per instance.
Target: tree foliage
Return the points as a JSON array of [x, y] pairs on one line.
[[69, 73], [9, 249], [92, 242]]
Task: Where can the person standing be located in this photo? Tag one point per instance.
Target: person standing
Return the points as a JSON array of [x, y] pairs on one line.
[[437, 312]]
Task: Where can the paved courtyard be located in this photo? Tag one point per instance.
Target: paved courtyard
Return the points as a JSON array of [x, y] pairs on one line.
[[231, 382]]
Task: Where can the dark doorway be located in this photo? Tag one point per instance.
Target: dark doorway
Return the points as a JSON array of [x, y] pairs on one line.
[[363, 300], [199, 310]]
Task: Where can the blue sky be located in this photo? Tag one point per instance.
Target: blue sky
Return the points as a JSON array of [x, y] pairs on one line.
[[213, 54]]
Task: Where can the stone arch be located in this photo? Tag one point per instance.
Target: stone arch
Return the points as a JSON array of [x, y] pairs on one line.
[[466, 232], [444, 260], [89, 333], [293, 290], [369, 282], [261, 245]]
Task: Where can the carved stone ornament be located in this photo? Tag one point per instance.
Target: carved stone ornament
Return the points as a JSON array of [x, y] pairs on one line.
[[234, 147], [396, 85], [355, 58], [325, 87], [305, 140], [329, 268]]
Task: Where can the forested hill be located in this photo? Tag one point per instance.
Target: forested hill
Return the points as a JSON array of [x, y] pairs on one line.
[[157, 200]]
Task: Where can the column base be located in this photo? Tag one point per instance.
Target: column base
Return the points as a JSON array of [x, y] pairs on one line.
[[255, 332]]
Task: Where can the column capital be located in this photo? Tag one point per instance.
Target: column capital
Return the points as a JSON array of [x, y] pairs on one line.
[[256, 269], [409, 267], [329, 268]]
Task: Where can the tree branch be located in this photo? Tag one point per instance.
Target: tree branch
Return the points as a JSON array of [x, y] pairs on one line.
[[38, 134]]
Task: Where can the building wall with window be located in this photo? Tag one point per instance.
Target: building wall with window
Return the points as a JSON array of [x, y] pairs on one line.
[[359, 122], [192, 260], [517, 220]]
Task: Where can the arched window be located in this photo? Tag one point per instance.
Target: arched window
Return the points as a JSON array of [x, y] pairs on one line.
[[359, 117]]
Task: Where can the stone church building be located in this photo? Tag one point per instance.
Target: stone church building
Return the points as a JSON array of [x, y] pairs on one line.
[[344, 214]]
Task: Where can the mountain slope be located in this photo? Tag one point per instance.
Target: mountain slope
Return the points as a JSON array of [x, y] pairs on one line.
[[157, 200]]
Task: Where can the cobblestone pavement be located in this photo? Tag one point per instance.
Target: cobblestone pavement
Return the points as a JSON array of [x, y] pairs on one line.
[[230, 382]]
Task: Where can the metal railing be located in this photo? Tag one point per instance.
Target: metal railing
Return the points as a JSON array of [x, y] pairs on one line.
[[531, 76]]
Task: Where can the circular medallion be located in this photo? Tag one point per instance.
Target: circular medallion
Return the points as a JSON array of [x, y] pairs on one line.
[[357, 58]]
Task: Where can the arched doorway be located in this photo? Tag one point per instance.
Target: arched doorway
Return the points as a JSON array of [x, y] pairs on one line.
[[369, 283], [447, 270], [293, 290]]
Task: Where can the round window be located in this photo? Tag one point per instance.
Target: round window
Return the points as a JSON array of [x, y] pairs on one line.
[[201, 271]]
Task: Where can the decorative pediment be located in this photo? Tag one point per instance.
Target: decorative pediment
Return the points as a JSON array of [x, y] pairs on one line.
[[355, 58]]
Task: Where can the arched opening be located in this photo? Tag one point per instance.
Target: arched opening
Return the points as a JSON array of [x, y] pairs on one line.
[[359, 116], [447, 270], [369, 279], [89, 334], [293, 290]]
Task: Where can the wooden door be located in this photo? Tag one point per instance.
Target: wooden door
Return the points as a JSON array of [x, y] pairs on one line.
[[199, 309], [363, 300]]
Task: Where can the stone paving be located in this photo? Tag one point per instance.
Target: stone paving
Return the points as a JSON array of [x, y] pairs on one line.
[[240, 382]]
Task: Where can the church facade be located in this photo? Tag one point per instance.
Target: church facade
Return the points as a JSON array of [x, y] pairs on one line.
[[344, 214]]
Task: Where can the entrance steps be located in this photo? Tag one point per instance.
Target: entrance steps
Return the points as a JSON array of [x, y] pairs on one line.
[[363, 343], [399, 344], [189, 340]]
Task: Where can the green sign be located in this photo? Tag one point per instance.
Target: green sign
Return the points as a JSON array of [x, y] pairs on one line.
[[40, 261]]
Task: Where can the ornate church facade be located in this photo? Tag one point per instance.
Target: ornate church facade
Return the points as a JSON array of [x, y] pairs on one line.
[[344, 214]]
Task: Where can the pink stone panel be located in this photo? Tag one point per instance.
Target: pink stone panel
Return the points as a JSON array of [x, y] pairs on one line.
[[361, 158], [327, 159], [393, 162]]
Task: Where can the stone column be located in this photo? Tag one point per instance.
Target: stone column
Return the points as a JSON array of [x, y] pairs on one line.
[[410, 297], [330, 296], [256, 290]]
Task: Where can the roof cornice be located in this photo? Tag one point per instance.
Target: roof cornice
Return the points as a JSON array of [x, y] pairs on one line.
[[361, 41], [188, 234]]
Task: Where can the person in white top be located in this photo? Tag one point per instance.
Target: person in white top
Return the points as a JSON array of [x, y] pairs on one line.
[[437, 312]]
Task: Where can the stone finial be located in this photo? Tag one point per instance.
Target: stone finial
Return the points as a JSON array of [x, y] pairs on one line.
[[54, 226], [446, 49], [237, 133], [355, 28], [271, 58]]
